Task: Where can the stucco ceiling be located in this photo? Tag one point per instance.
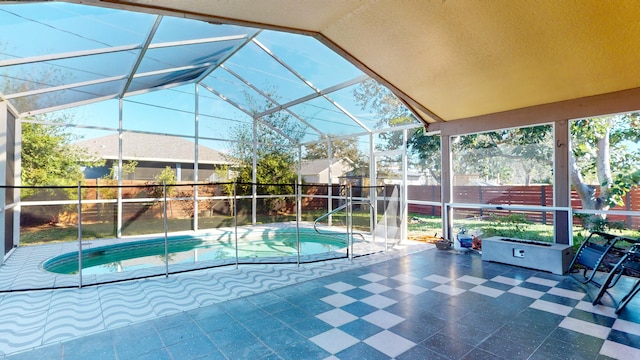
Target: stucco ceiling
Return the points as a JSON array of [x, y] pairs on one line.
[[454, 59]]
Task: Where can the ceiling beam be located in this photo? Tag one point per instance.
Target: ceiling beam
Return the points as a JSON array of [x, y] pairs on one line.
[[227, 57], [143, 51], [589, 106]]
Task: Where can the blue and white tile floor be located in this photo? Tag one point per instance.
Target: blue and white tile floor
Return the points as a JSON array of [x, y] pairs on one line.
[[426, 304]]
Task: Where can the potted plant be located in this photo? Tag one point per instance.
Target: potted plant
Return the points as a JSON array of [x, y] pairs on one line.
[[443, 244]]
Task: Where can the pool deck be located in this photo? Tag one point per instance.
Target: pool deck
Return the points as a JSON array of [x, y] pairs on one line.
[[30, 319], [414, 302], [23, 269]]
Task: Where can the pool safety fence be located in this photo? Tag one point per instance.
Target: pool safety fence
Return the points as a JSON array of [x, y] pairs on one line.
[[135, 231]]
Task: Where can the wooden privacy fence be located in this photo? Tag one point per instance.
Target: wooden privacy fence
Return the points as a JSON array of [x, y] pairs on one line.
[[314, 198], [533, 195]]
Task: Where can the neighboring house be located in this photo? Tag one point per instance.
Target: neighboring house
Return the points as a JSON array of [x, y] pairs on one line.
[[317, 171], [394, 176], [153, 154]]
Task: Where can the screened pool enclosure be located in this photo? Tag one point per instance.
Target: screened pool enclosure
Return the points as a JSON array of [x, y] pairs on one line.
[[168, 128], [196, 144]]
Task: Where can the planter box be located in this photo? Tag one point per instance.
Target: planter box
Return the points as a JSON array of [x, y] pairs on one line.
[[554, 258]]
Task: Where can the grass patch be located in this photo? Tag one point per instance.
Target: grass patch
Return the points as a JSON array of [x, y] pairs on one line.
[[512, 226], [48, 234]]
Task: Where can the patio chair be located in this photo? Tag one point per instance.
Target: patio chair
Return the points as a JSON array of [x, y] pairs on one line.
[[628, 265], [593, 256]]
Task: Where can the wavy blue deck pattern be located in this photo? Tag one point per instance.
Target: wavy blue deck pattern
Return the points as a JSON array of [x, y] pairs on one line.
[[32, 319]]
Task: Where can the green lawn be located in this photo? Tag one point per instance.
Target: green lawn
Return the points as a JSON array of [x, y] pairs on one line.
[[54, 233], [418, 225], [508, 227]]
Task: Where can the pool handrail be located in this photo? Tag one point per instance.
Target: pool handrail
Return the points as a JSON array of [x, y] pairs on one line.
[[342, 207]]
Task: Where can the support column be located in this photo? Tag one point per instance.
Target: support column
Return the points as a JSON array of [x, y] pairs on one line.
[[4, 120], [446, 184], [298, 192], [196, 158], [404, 191], [561, 185], [254, 175], [330, 181], [9, 176], [373, 191], [17, 179], [119, 174]]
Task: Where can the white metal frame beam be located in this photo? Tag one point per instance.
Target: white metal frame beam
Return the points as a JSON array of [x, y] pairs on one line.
[[65, 87], [115, 49], [143, 51], [68, 55], [112, 49], [316, 94], [227, 57], [308, 83], [239, 107], [270, 98]]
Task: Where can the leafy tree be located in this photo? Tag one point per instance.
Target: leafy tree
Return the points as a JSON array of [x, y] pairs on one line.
[[341, 148], [604, 159], [128, 167], [49, 158], [503, 154], [111, 179], [373, 97], [276, 154], [604, 155], [370, 95], [525, 148], [166, 176], [427, 150]]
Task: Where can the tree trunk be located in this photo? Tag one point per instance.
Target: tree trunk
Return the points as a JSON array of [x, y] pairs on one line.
[[587, 193], [584, 191], [435, 175], [603, 169]]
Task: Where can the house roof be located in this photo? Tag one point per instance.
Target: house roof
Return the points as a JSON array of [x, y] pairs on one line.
[[314, 167], [452, 60], [149, 147]]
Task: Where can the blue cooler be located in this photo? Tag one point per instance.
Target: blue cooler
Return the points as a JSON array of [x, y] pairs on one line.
[[465, 240]]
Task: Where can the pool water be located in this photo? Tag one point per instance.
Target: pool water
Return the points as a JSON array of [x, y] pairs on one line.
[[192, 248]]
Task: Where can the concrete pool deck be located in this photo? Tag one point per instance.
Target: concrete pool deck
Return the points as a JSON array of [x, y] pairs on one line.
[[23, 269], [30, 319]]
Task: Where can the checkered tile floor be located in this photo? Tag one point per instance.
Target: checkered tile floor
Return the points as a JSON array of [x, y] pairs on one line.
[[429, 305]]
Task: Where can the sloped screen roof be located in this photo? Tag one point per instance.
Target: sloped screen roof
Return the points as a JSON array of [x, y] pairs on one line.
[[460, 59], [58, 55]]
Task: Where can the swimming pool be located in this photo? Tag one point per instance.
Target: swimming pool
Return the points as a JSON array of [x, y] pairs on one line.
[[193, 248]]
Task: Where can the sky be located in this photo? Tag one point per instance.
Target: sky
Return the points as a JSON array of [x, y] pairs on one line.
[[54, 28]]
